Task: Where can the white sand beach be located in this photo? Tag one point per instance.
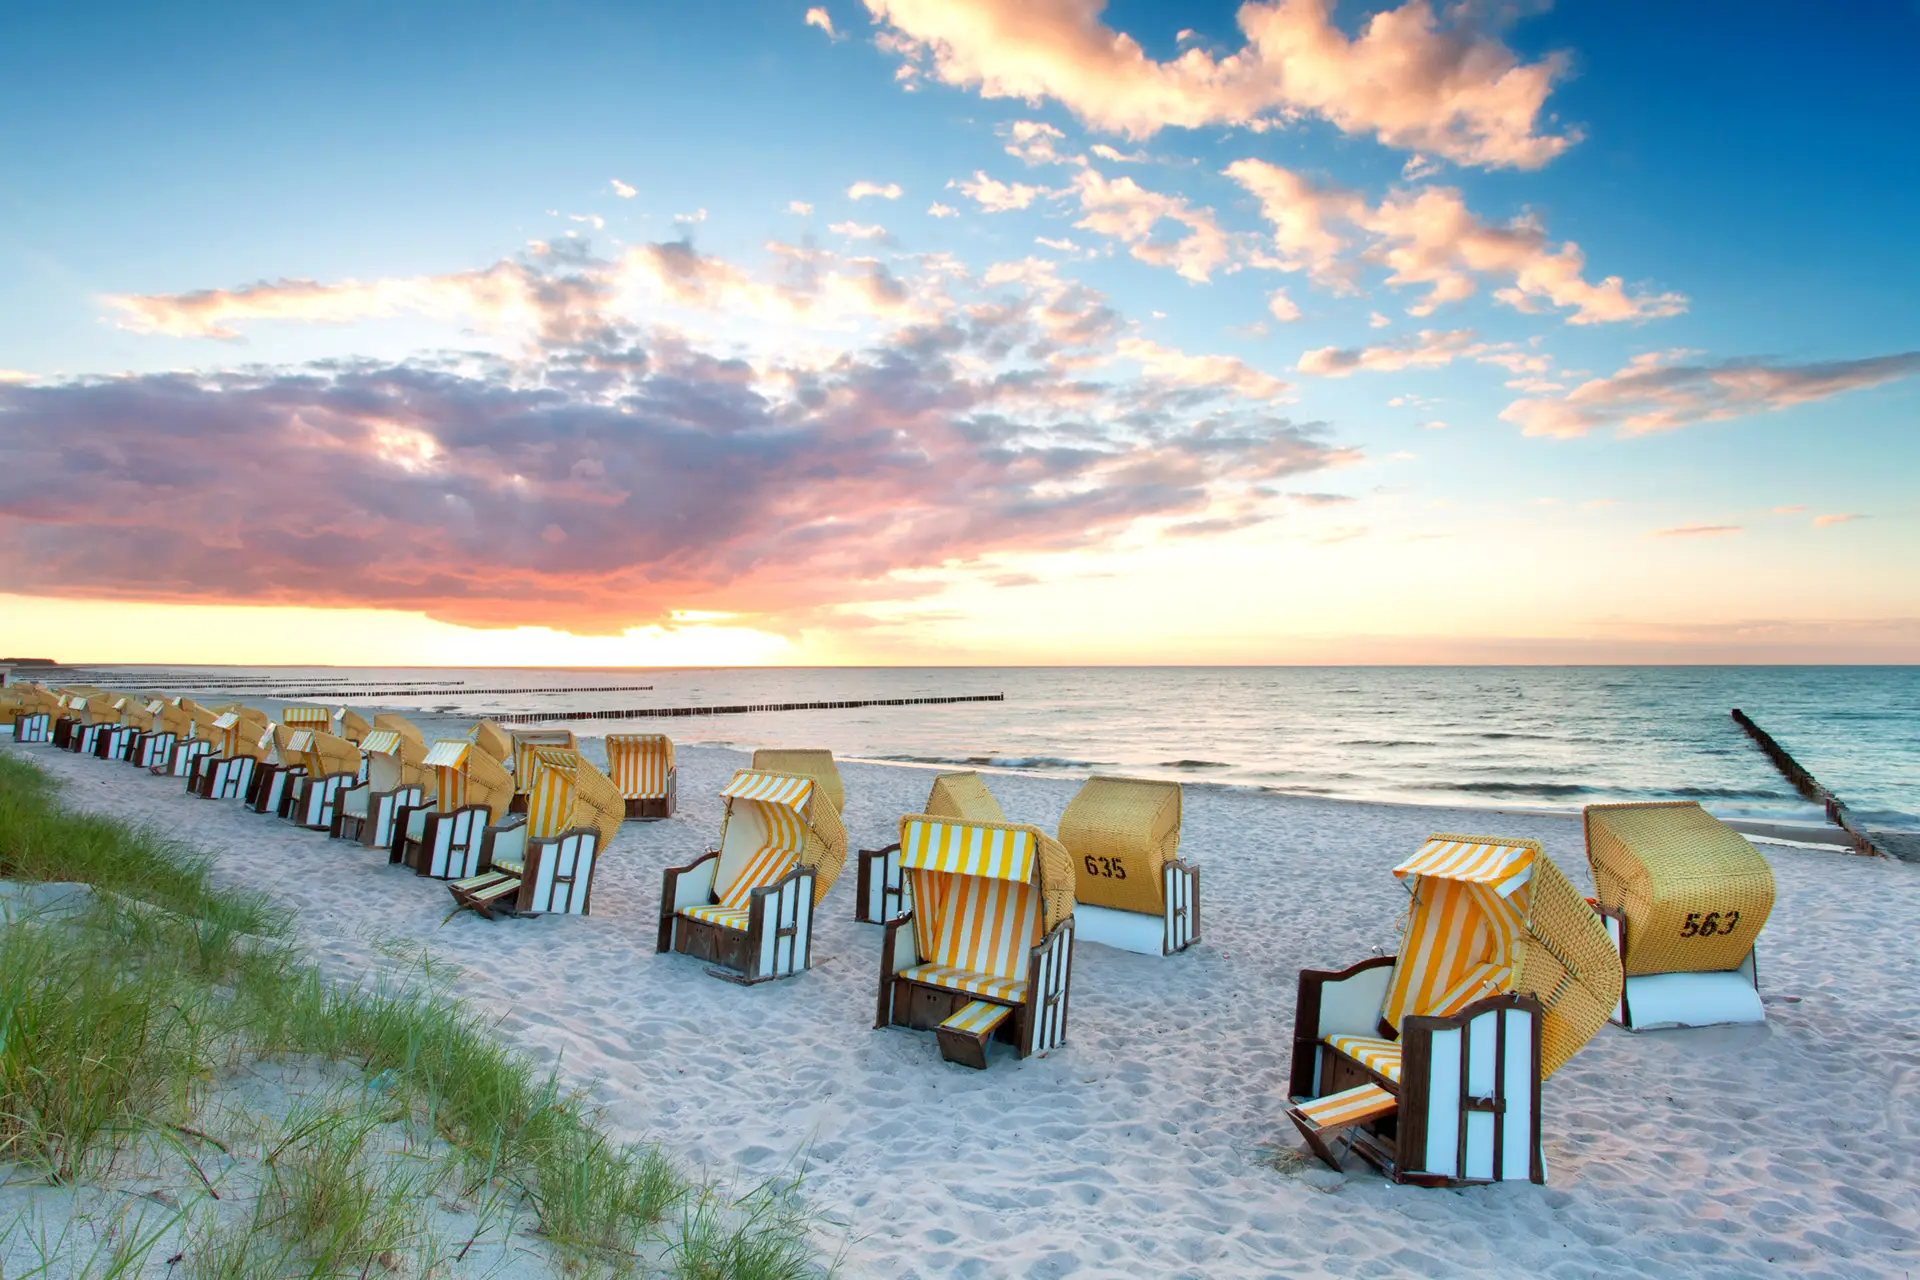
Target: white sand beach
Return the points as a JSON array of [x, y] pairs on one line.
[[1137, 1149]]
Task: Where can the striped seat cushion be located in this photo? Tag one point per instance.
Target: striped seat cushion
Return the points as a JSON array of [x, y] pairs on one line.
[[1349, 1106], [1382, 1057], [977, 1018], [968, 981], [725, 917], [487, 887]]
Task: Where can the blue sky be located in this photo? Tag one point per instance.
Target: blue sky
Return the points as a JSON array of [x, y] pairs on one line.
[[1746, 171]]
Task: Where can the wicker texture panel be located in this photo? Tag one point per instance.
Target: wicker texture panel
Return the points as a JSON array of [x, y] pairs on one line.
[[493, 740], [413, 749], [1127, 825], [963, 795], [329, 754], [352, 725], [1659, 863], [1568, 962], [826, 849], [488, 783], [808, 762]]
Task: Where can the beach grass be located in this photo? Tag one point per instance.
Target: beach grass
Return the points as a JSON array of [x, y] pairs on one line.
[[114, 1022]]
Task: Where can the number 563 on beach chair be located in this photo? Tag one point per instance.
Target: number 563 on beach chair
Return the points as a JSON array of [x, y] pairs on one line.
[[543, 861], [1684, 897], [1430, 1062], [987, 950], [747, 907]]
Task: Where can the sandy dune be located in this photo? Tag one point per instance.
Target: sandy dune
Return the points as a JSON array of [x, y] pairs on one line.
[[1136, 1150]]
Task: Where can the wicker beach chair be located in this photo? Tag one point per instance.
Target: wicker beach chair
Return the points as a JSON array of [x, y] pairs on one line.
[[349, 724], [118, 727], [32, 712], [1429, 1063], [1131, 890], [524, 741], [94, 713], [393, 754], [275, 760], [543, 861], [987, 950], [495, 741], [442, 837], [150, 738], [1684, 897], [331, 766], [187, 720], [807, 762], [641, 765], [747, 906], [234, 737], [881, 891]]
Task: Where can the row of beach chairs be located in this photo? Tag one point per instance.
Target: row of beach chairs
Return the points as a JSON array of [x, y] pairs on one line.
[[1429, 1063]]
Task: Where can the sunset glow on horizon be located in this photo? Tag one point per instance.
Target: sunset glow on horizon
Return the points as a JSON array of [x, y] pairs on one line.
[[933, 332]]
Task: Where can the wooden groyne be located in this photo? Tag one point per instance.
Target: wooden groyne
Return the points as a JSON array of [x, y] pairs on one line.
[[1809, 786], [644, 713], [338, 692]]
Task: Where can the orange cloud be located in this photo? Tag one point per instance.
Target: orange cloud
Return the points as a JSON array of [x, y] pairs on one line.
[[1698, 531], [998, 197], [1125, 211], [1654, 393], [1821, 522], [1450, 89], [1428, 349]]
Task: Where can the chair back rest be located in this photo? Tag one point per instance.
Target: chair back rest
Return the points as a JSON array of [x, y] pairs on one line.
[[567, 791], [808, 762], [493, 740], [1658, 864], [349, 724], [1120, 832], [639, 763], [524, 741], [763, 833], [963, 795]]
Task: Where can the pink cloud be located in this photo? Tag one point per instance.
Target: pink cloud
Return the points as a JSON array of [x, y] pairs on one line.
[[1427, 349], [998, 197], [1654, 393], [617, 472], [1821, 522], [1125, 211], [1409, 79]]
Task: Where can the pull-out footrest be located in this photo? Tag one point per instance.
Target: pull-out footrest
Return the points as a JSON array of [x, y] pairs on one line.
[[1332, 1115], [963, 1037], [488, 890]]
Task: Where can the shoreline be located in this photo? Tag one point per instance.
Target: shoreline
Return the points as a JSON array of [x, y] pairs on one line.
[[1139, 1147]]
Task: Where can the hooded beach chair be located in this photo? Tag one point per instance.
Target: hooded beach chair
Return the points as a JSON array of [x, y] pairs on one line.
[[32, 712], [1131, 890], [392, 756], [880, 884], [543, 861], [349, 724], [93, 714], [1684, 897], [747, 907], [1430, 1062], [493, 740], [189, 722], [235, 740], [641, 765], [987, 950], [807, 762], [151, 739], [274, 760], [70, 725], [522, 762], [443, 836], [330, 767], [117, 730]]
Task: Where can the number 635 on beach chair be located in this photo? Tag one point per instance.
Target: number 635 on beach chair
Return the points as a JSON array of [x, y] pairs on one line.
[[987, 950], [747, 907], [1430, 1062]]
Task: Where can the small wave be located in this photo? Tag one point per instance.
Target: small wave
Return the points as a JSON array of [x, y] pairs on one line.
[[1545, 790], [1194, 764], [1033, 762], [1720, 793], [1385, 742], [1530, 737]]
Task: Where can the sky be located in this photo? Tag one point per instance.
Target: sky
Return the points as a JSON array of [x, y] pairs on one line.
[[930, 331]]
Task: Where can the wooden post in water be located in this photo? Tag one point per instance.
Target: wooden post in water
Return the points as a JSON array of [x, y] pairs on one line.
[[1808, 785]]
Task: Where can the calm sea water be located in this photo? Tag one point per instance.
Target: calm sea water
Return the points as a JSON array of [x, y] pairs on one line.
[[1538, 737]]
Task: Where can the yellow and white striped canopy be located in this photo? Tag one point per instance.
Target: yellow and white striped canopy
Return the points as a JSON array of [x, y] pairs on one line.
[[448, 753], [313, 717], [227, 721], [300, 740], [384, 742], [1504, 867], [783, 790], [266, 739], [966, 850]]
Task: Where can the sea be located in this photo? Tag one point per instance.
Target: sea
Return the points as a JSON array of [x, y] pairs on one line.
[[1550, 738]]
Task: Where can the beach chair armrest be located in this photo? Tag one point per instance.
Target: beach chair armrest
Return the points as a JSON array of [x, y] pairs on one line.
[[688, 886], [1334, 1002], [899, 949], [506, 840]]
